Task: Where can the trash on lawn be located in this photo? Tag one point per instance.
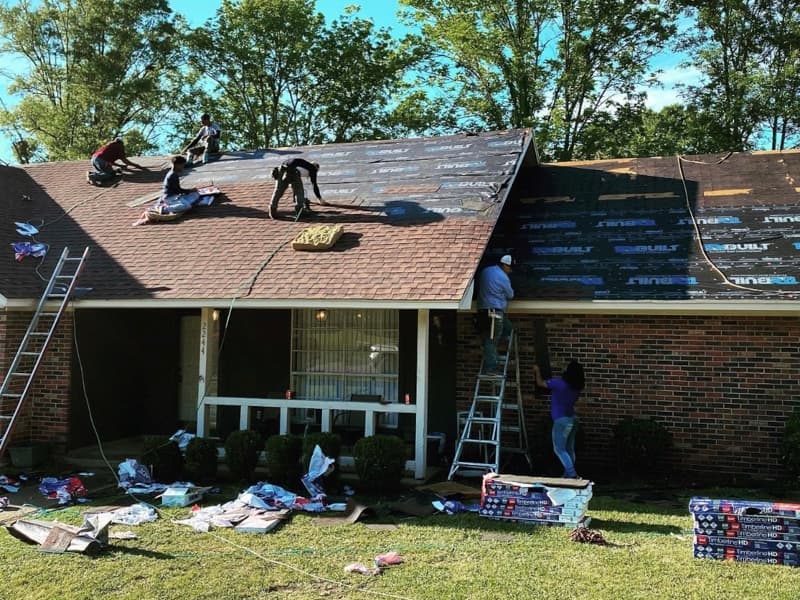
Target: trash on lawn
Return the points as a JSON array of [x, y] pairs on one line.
[[182, 438], [263, 523], [182, 495], [319, 466], [236, 515], [135, 478], [64, 490], [122, 535], [353, 513], [361, 568], [3, 502], [136, 514], [53, 536], [9, 484], [587, 536], [267, 496], [388, 558], [452, 507]]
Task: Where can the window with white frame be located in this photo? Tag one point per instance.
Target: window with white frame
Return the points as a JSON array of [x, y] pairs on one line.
[[344, 354]]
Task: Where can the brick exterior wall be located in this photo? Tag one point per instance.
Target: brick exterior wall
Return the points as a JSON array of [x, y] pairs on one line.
[[45, 416], [723, 386]]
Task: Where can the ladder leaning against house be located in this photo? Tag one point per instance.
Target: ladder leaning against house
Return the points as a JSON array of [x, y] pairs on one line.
[[484, 427], [21, 372]]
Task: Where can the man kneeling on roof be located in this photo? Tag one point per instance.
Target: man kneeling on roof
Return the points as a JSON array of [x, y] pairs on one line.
[[174, 198], [104, 162], [291, 173], [205, 142]]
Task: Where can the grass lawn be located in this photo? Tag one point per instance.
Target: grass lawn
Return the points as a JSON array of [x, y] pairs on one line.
[[460, 556]]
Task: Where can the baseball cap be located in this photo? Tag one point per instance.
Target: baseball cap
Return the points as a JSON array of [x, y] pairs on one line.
[[506, 260]]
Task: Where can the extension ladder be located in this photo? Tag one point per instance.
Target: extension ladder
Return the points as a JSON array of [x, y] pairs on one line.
[[20, 374], [485, 424]]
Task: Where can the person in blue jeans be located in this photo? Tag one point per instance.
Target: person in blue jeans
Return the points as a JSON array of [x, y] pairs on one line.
[[494, 292], [564, 392]]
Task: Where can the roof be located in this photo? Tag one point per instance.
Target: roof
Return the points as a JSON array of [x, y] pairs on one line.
[[417, 215], [715, 228]]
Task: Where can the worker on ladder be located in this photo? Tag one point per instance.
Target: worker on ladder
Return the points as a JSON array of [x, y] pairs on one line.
[[494, 292]]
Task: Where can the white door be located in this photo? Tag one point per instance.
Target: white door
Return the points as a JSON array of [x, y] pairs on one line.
[[190, 369]]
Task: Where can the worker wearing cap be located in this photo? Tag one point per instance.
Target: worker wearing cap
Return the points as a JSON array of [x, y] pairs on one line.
[[494, 292], [104, 159]]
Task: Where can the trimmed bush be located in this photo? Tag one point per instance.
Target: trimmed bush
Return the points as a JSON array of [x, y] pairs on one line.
[[200, 462], [790, 445], [380, 461], [640, 445], [283, 458], [241, 453], [164, 457]]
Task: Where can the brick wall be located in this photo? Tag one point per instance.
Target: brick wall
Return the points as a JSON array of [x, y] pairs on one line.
[[45, 416], [723, 386]]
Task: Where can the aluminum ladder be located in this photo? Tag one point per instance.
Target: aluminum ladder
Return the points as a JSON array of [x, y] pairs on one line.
[[21, 372], [493, 426]]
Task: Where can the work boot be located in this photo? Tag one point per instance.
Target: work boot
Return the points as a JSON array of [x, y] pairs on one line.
[[270, 212]]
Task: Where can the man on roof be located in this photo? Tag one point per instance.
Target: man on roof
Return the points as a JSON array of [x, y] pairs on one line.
[[291, 173], [204, 143], [104, 162]]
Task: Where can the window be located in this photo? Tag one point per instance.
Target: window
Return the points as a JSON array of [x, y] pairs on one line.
[[341, 353]]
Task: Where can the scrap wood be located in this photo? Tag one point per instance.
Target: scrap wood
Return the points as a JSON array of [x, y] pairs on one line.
[[445, 489], [353, 513], [58, 537]]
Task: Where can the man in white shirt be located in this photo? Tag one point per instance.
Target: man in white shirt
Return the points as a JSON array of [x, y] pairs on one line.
[[205, 142]]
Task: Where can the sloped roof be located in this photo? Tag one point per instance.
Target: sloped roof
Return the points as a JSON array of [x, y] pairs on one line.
[[417, 216], [628, 229]]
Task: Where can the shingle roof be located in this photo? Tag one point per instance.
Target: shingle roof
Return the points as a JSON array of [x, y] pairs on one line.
[[417, 216], [622, 229]]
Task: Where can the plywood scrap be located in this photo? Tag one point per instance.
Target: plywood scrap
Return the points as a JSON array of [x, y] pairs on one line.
[[317, 237], [53, 536]]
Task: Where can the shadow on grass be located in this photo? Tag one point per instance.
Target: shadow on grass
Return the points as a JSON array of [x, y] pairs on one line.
[[634, 527], [114, 550]]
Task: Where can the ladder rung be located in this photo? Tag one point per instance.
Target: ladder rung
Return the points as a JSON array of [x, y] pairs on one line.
[[73, 259], [65, 276], [482, 420], [479, 441], [488, 398], [476, 465], [40, 333], [11, 395], [30, 353], [18, 374], [56, 295]]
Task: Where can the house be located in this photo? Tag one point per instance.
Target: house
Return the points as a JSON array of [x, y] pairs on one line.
[[214, 320], [674, 281]]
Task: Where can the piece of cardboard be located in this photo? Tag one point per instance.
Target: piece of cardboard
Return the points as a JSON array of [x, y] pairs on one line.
[[57, 540], [182, 496], [353, 513], [263, 523]]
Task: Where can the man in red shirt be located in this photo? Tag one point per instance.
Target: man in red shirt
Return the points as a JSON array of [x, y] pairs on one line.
[[104, 159]]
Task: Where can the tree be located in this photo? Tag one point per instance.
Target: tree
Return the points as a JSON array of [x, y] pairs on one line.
[[280, 76], [551, 64], [749, 54], [94, 70]]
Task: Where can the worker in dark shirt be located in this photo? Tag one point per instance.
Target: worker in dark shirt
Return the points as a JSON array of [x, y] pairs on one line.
[[104, 160], [291, 173], [172, 182]]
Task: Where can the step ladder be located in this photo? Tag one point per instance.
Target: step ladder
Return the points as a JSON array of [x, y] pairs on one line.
[[493, 427], [21, 373]]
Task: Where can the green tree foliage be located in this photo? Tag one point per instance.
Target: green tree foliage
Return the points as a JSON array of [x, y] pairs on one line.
[[92, 71], [749, 54], [281, 76], [552, 64]]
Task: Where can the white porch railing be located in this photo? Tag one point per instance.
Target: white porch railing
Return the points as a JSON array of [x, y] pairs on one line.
[[326, 408]]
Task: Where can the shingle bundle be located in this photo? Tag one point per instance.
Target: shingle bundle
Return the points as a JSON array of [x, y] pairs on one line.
[[746, 531], [535, 500]]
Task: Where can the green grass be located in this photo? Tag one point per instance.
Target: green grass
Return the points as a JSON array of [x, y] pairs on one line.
[[461, 556]]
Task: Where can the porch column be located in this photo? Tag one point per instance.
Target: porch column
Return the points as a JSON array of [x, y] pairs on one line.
[[208, 363], [421, 396]]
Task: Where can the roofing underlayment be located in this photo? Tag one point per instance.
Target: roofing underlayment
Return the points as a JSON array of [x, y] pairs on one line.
[[417, 215], [628, 229]]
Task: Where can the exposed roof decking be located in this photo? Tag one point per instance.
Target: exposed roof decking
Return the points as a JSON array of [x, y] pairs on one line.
[[621, 230]]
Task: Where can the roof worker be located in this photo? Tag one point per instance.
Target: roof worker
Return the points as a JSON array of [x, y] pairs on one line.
[[291, 173], [172, 181], [104, 162], [204, 143], [494, 292]]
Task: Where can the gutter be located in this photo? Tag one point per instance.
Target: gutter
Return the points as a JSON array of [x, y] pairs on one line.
[[660, 307]]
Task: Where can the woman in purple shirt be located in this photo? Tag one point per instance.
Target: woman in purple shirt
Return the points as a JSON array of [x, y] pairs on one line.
[[564, 393]]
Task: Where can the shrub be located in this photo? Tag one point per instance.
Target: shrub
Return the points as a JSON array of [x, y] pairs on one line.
[[241, 453], [163, 457], [380, 461], [283, 457], [201, 460], [640, 445], [791, 444]]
